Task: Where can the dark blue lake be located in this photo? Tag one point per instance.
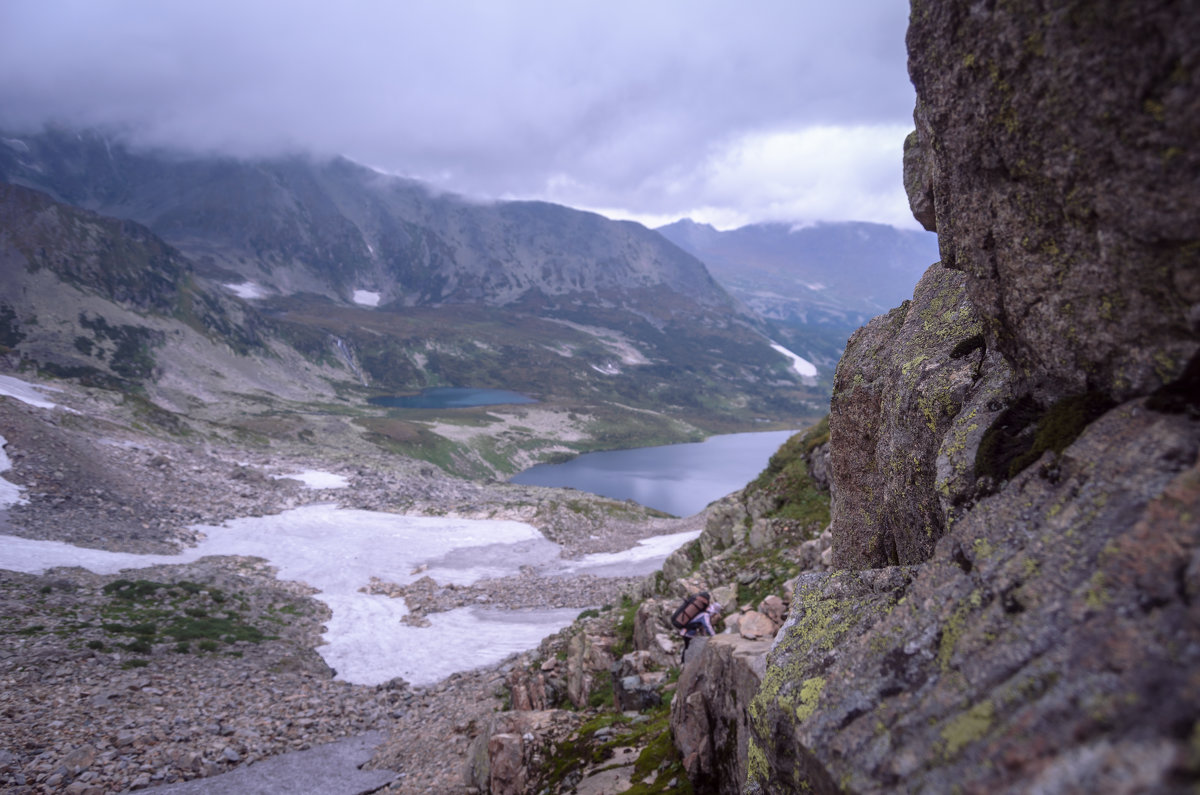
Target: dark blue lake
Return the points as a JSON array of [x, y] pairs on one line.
[[680, 479], [451, 397]]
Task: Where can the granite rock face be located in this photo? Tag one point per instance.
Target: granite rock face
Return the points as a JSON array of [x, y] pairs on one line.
[[1061, 136], [899, 387], [1055, 633], [710, 709], [1014, 453]]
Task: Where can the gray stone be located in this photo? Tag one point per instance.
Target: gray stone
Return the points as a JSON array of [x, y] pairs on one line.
[[897, 391], [710, 709], [756, 626], [1063, 159], [331, 769]]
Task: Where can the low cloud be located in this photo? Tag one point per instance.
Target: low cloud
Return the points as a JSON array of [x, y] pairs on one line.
[[628, 105]]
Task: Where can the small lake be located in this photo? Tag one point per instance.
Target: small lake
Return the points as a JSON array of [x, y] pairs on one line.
[[680, 479], [451, 397]]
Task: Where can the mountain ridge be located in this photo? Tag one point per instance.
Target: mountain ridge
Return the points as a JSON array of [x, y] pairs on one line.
[[332, 226], [838, 274]]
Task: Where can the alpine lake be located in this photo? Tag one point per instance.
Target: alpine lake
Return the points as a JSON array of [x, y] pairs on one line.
[[679, 479]]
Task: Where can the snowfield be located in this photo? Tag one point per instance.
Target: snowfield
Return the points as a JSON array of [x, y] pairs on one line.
[[27, 392], [338, 550], [316, 479], [247, 291], [801, 365], [10, 493]]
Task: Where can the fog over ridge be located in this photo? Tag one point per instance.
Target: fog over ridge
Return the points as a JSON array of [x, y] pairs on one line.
[[638, 111]]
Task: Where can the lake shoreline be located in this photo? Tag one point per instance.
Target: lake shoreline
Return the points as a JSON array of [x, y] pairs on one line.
[[713, 468]]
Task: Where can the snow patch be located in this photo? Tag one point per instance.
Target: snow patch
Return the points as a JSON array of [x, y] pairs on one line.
[[799, 364], [247, 290], [337, 551], [644, 558], [316, 479], [607, 368], [366, 298], [10, 493], [29, 393]]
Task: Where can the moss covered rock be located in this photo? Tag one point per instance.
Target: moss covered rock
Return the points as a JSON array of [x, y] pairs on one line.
[[1062, 140], [1050, 644], [897, 393]]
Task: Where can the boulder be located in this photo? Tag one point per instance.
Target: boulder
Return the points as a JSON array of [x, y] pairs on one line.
[[897, 391], [652, 630], [726, 596], [506, 756], [1013, 452], [709, 711], [754, 626], [773, 608], [732, 622], [588, 657], [528, 689], [723, 526], [918, 181], [639, 692], [1060, 140], [1073, 586]]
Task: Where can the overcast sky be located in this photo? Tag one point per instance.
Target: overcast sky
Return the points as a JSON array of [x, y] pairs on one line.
[[726, 112]]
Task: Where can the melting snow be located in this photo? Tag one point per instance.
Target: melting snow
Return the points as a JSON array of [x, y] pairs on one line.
[[366, 298], [636, 561], [247, 290], [316, 479], [338, 550], [799, 364], [27, 392], [10, 493]]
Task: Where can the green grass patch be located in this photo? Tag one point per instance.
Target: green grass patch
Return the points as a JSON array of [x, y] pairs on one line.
[[149, 613], [624, 626], [786, 478]]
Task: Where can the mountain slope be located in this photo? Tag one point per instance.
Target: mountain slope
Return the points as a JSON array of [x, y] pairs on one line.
[[381, 287], [835, 274], [331, 227], [107, 302]]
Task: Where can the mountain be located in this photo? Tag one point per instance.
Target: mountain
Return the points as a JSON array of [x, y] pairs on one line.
[[332, 227], [833, 274], [108, 303], [360, 284]]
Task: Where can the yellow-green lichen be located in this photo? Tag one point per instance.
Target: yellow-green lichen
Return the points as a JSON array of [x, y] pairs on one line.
[[757, 768], [1097, 596], [810, 694], [954, 627], [983, 549], [969, 727]]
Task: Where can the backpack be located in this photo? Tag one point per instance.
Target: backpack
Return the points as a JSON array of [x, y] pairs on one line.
[[692, 606]]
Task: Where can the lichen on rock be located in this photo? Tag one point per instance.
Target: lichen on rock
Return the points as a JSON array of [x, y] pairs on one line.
[[1024, 434], [897, 393]]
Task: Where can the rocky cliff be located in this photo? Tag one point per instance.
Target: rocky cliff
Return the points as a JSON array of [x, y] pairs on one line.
[[1013, 605]]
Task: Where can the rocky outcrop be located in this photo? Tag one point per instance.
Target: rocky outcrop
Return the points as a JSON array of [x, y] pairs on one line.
[[900, 385], [512, 745], [1023, 436], [1063, 609], [709, 714], [1063, 163]]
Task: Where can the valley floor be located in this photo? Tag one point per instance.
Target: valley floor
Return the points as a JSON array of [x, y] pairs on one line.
[[146, 676]]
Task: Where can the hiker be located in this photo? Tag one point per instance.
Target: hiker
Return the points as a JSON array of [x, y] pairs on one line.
[[701, 623]]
